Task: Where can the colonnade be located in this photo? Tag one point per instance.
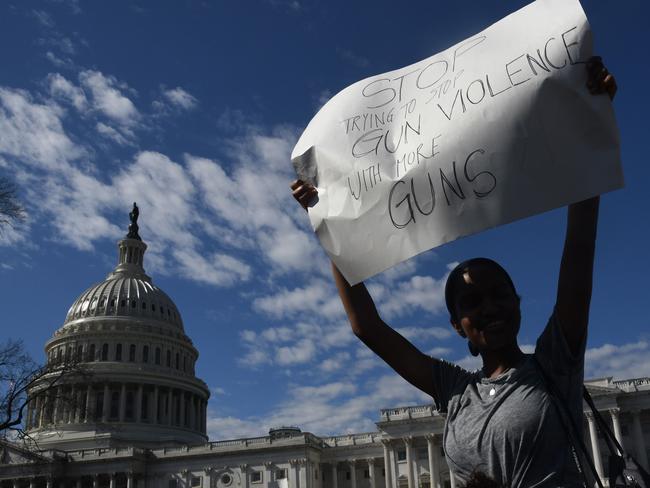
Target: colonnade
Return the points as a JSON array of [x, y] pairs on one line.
[[638, 449], [435, 464], [105, 480], [117, 402]]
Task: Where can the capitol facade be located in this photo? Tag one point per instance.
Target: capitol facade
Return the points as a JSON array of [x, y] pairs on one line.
[[137, 415]]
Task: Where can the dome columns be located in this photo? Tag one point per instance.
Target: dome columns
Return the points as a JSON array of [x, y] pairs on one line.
[[118, 403]]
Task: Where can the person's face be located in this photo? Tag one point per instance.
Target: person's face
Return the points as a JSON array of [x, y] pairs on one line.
[[486, 308]]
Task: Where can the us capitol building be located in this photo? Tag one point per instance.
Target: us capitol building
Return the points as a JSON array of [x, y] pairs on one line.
[[138, 419]]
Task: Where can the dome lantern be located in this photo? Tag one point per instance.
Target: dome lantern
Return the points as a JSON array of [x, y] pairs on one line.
[[131, 252]]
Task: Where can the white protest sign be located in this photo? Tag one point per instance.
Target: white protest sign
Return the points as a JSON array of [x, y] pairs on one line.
[[494, 129]]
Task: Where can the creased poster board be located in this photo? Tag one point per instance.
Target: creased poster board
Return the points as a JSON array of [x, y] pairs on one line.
[[494, 129]]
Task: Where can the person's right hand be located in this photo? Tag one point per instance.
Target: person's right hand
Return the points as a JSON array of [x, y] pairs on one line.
[[303, 192]]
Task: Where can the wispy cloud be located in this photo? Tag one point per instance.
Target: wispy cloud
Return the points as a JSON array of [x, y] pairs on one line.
[[624, 361], [108, 97], [62, 89], [180, 98], [331, 408], [353, 58]]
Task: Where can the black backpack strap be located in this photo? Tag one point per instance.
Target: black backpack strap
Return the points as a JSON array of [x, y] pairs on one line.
[[618, 454], [570, 428]]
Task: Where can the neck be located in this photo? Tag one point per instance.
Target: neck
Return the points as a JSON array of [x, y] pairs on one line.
[[498, 361]]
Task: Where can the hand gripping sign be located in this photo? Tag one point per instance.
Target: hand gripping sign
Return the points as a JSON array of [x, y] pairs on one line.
[[494, 129]]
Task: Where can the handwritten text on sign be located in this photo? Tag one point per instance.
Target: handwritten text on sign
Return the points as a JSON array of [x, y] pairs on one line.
[[494, 129]]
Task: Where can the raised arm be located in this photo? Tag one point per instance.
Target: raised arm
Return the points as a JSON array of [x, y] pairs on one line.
[[407, 360], [576, 268]]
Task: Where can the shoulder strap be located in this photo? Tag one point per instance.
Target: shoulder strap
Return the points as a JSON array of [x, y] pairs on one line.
[[618, 454], [571, 430]]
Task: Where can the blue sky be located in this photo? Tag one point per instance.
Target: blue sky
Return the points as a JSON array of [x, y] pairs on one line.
[[191, 109]]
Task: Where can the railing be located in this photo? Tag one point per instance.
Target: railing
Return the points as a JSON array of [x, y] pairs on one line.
[[634, 384], [104, 452], [352, 439], [403, 413]]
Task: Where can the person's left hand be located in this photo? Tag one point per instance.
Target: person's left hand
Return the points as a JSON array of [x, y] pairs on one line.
[[599, 79]]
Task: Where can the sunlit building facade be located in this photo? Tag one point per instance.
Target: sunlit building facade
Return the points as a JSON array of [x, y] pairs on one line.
[[136, 415]]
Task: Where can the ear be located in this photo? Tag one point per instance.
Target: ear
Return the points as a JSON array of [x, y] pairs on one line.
[[458, 328]]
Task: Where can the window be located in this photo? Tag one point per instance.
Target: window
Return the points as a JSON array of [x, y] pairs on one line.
[[99, 405], [401, 455], [157, 355], [118, 352], [132, 352], [184, 363], [115, 405], [145, 354], [256, 476], [169, 358], [226, 479], [144, 413], [80, 352], [423, 453], [366, 473], [105, 352], [91, 353], [196, 481], [172, 484], [280, 474], [347, 475], [129, 406], [383, 472], [177, 360]]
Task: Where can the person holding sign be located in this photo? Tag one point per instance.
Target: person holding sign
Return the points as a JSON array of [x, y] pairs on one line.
[[500, 419]]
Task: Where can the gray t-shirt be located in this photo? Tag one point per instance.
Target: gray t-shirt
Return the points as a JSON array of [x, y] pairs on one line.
[[507, 427]]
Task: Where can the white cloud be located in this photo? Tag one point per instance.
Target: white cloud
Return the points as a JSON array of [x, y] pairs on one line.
[[217, 390], [63, 89], [58, 61], [233, 428], [277, 334], [423, 333], [415, 294], [180, 98], [440, 352], [625, 361], [470, 363], [43, 18], [108, 99], [335, 363], [33, 133], [326, 409], [254, 198], [302, 351], [317, 299], [112, 134], [352, 58], [219, 269]]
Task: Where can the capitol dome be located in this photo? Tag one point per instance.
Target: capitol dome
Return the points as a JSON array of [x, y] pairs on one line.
[[132, 380]]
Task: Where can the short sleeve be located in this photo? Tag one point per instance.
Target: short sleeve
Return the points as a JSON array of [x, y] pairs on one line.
[[560, 365], [448, 378]]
